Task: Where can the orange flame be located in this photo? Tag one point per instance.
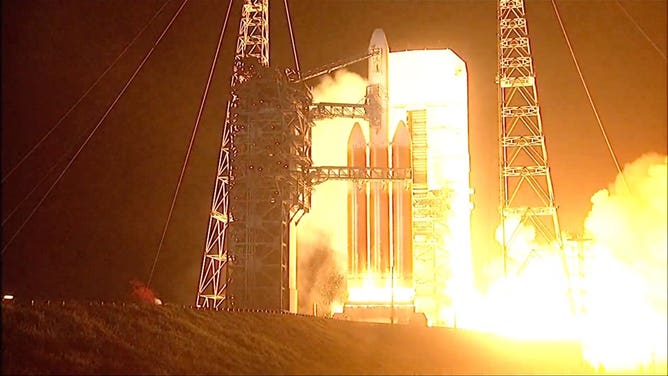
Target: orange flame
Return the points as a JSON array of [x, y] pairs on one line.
[[622, 322]]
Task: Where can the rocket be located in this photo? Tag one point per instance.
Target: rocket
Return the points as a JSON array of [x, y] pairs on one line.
[[373, 245], [379, 198]]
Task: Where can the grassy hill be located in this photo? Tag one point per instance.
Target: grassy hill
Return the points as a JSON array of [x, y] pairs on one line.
[[132, 339]]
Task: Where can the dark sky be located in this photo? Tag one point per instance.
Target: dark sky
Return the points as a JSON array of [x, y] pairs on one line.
[[101, 225]]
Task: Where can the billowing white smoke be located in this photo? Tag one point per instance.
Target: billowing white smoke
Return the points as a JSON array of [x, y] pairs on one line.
[[322, 233], [626, 267], [631, 223], [623, 324]]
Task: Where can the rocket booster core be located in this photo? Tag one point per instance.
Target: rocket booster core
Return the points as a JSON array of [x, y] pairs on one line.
[[380, 232], [379, 200], [357, 206], [402, 207]]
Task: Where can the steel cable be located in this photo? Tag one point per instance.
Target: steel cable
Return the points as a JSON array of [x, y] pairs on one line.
[[53, 166], [97, 126], [591, 101], [67, 113], [292, 38], [640, 29], [190, 145]]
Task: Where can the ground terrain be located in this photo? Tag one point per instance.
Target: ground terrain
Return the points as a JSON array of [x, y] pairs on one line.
[[90, 338]]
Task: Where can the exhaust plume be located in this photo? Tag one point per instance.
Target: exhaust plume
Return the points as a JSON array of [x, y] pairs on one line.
[[322, 233], [626, 269]]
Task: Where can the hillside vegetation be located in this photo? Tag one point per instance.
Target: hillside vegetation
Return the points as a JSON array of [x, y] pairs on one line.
[[146, 339]]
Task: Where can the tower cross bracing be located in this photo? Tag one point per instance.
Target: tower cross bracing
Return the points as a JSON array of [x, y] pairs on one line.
[[526, 192]]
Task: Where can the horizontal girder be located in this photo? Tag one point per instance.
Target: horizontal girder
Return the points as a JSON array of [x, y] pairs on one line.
[[327, 110], [321, 174]]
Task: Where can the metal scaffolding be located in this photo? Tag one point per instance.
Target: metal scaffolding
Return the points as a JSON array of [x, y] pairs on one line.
[[432, 266], [271, 155], [264, 176], [269, 161], [252, 42], [526, 192]]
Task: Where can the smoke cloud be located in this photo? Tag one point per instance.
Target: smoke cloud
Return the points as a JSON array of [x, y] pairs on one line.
[[631, 223], [626, 267], [322, 233], [623, 291], [320, 275]]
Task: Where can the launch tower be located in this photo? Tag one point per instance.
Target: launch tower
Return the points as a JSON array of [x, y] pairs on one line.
[[261, 183], [405, 250], [526, 193], [265, 173]]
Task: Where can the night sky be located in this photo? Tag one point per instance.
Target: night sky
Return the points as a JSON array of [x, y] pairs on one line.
[[101, 225]]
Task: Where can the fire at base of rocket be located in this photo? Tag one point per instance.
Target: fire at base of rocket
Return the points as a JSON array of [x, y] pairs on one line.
[[362, 263]]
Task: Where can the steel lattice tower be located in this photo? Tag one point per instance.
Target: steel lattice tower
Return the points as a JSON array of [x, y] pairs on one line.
[[526, 193], [262, 182], [252, 41]]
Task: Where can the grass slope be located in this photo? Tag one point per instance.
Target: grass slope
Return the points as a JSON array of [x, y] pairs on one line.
[[134, 339]]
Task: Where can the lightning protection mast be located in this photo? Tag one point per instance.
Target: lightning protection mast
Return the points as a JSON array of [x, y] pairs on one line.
[[526, 194], [252, 42]]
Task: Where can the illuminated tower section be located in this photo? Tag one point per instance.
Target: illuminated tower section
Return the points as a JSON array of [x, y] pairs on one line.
[[261, 187], [527, 196], [215, 276], [428, 90]]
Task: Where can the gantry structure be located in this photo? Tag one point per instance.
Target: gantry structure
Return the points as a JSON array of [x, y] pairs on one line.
[[265, 174], [260, 184]]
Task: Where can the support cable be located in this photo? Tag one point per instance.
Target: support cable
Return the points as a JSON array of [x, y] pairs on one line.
[[591, 101], [97, 81], [292, 39], [644, 34], [190, 145], [53, 166], [99, 123]]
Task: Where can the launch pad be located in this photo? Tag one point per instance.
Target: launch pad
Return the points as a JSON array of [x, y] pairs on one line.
[[402, 313], [401, 193], [407, 176]]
